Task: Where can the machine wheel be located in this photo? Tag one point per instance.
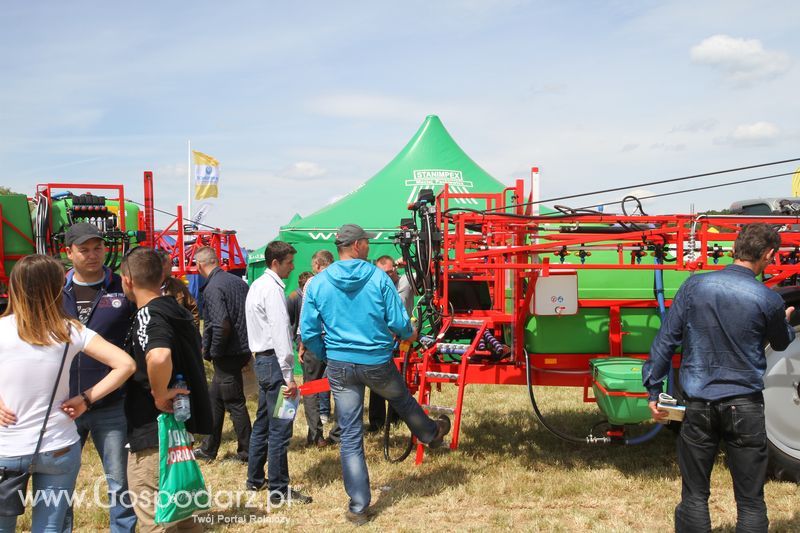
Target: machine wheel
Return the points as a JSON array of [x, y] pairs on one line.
[[782, 410]]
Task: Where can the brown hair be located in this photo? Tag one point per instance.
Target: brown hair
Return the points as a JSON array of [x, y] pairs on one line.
[[322, 258], [34, 298], [278, 250], [754, 240], [144, 266], [303, 278]]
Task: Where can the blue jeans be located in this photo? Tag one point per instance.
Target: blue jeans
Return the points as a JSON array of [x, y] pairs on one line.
[[270, 436], [108, 428], [739, 423], [347, 384], [54, 475]]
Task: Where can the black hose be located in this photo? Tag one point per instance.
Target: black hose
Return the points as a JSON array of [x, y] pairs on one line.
[[551, 429], [388, 424]]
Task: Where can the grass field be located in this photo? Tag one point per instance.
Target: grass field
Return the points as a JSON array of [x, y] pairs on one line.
[[509, 473]]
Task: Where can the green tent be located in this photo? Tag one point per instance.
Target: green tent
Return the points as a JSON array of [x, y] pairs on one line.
[[429, 160]]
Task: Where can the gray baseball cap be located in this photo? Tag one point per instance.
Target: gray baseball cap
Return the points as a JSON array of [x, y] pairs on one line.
[[350, 233], [80, 233]]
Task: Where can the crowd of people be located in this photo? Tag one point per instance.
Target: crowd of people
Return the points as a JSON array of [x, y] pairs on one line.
[[110, 347], [95, 353]]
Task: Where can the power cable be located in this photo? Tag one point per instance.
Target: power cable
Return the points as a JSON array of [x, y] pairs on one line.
[[174, 215], [695, 189], [646, 184]]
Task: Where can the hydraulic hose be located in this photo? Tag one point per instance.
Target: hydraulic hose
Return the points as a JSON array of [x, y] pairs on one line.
[[387, 425], [551, 429], [658, 289]]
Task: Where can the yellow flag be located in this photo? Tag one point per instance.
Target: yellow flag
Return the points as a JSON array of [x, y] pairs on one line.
[[796, 182], [206, 176]]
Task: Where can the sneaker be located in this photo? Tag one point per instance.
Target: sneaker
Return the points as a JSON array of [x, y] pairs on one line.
[[324, 419], [277, 498], [443, 423], [359, 519], [256, 488], [200, 455]]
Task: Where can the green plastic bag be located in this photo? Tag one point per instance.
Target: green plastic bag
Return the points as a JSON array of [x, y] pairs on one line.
[[181, 487]]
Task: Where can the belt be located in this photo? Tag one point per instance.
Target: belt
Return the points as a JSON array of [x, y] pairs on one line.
[[755, 396], [266, 353]]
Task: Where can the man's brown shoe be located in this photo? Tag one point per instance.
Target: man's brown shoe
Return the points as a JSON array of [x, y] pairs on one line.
[[443, 423]]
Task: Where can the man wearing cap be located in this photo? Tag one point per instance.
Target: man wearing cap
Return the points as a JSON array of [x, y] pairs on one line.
[[93, 295], [361, 313]]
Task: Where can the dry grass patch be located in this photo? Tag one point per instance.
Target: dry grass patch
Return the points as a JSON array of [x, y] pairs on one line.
[[509, 473]]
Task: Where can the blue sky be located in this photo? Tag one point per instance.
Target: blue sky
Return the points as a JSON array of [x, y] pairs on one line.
[[304, 101]]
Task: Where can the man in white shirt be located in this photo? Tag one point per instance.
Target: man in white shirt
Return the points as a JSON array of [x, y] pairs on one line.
[[270, 338]]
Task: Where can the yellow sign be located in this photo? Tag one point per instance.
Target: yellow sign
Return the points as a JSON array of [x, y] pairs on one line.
[[796, 182], [206, 176]]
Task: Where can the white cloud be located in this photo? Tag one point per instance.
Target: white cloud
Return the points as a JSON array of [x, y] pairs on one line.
[[304, 169], [759, 131], [742, 60], [630, 147], [756, 134]]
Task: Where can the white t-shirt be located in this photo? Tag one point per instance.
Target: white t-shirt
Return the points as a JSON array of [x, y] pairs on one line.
[[27, 376]]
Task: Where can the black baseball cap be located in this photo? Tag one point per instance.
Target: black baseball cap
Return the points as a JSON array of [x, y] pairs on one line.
[[80, 233], [350, 233]]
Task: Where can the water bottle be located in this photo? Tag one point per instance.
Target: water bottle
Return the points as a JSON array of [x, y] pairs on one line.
[[180, 405]]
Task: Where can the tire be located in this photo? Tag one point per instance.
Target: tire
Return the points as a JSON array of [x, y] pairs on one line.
[[782, 410]]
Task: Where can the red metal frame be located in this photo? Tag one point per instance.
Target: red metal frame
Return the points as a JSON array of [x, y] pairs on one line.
[[185, 245], [513, 249], [185, 242]]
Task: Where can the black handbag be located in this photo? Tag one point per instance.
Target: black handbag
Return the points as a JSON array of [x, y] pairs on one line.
[[13, 484]]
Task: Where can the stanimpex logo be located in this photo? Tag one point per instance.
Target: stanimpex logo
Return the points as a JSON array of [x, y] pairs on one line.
[[436, 178]]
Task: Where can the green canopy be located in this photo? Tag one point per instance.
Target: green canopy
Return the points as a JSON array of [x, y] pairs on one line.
[[429, 160]]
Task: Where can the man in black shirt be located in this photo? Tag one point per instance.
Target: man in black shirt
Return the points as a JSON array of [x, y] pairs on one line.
[[93, 294], [164, 342]]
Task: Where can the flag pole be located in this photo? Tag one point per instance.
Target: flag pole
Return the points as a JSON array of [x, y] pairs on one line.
[[188, 185]]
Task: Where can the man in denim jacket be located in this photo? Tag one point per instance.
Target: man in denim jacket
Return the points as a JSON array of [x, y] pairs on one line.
[[723, 320]]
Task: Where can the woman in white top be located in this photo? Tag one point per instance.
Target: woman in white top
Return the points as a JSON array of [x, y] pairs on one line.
[[33, 331]]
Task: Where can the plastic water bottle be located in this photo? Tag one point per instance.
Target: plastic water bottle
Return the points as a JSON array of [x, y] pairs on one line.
[[180, 405]]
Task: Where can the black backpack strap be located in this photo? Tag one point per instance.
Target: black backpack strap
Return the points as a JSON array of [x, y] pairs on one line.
[[50, 405]]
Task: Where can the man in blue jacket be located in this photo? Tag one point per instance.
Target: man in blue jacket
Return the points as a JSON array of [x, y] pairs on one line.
[[357, 306], [723, 320], [93, 294]]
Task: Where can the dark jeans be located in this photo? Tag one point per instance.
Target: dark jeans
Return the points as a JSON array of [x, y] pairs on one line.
[[314, 369], [376, 413], [227, 394], [325, 399], [270, 435], [109, 430], [739, 423], [347, 384]]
